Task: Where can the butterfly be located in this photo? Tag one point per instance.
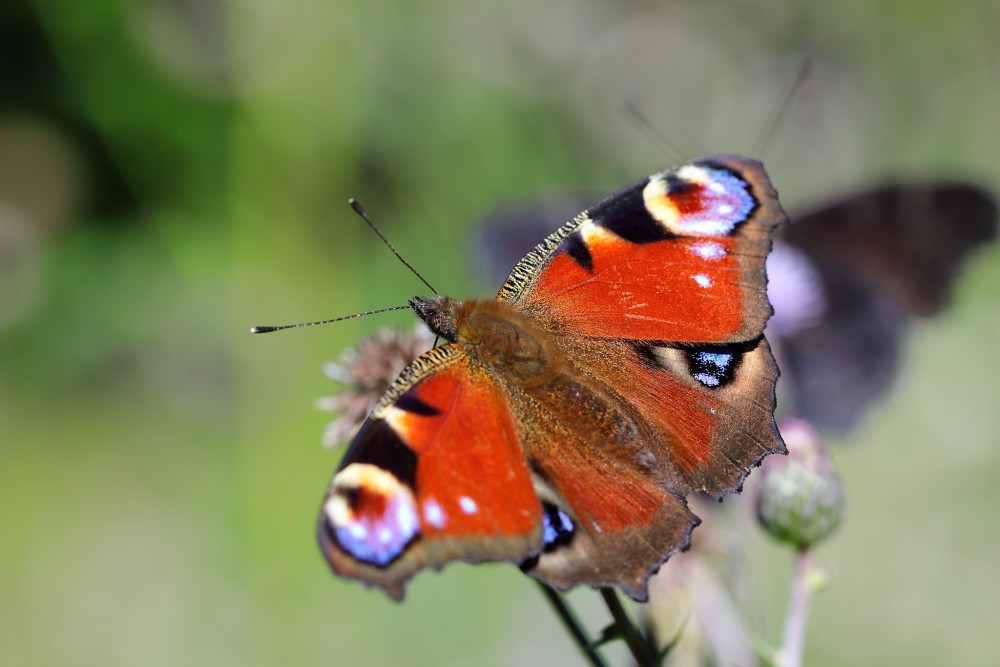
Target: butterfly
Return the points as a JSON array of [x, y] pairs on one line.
[[879, 259], [845, 280], [561, 426]]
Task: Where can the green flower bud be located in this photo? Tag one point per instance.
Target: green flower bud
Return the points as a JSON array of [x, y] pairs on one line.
[[799, 497]]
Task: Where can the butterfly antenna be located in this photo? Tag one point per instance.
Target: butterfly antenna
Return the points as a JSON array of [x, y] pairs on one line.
[[639, 118], [269, 329], [782, 112], [360, 210]]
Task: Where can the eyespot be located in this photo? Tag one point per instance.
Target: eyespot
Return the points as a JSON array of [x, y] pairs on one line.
[[558, 528], [371, 514], [698, 200], [712, 369]]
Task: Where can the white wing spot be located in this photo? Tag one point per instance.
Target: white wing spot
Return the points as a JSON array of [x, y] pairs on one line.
[[709, 250], [702, 280], [468, 505], [434, 514], [707, 380]]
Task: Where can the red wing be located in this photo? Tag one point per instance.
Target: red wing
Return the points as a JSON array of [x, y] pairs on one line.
[[713, 406], [677, 257], [436, 474], [654, 425], [609, 520]]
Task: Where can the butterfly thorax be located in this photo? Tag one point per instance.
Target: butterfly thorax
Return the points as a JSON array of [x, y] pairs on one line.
[[497, 335]]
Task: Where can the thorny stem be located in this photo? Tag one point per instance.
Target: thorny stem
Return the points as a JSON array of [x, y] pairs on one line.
[[797, 614], [568, 618], [637, 644]]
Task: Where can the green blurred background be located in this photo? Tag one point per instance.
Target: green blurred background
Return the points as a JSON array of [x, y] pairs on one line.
[[174, 171]]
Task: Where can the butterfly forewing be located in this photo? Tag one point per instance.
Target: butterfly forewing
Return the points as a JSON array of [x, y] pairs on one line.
[[436, 474], [677, 257]]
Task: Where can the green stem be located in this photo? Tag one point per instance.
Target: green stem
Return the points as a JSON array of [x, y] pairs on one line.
[[637, 644], [797, 614], [569, 620]]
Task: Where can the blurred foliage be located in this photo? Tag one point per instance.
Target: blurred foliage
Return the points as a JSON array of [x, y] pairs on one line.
[[174, 171]]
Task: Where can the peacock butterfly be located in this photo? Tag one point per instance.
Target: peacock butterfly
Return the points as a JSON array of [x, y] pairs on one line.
[[621, 367], [879, 258], [845, 279]]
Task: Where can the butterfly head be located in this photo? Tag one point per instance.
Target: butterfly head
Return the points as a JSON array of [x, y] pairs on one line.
[[438, 313]]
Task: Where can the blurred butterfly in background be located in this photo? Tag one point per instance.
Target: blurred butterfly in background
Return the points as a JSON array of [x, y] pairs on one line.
[[562, 425], [844, 280]]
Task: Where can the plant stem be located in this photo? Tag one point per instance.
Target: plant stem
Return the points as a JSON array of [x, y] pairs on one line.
[[797, 614], [569, 620], [637, 644]]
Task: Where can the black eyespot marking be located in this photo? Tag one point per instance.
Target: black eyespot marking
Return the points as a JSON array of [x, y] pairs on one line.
[[411, 403], [558, 528], [715, 366], [353, 497], [378, 444], [711, 365], [712, 369], [578, 251], [625, 214], [680, 186]]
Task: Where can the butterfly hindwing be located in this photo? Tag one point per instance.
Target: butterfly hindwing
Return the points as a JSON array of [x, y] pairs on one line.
[[609, 517], [661, 423], [714, 404]]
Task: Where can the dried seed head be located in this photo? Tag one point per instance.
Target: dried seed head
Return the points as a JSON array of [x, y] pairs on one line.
[[367, 370]]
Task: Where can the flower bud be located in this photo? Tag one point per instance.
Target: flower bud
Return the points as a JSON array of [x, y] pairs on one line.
[[799, 497]]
